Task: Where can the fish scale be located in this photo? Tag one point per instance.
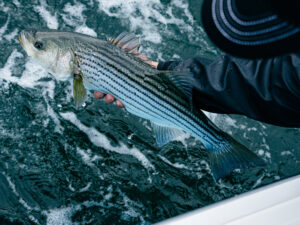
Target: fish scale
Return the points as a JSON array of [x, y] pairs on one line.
[[151, 78], [185, 119], [163, 97]]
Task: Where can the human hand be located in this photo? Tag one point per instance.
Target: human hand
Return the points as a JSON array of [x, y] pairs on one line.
[[108, 98]]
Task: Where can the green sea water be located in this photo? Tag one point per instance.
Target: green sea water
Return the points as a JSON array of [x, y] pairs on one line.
[[99, 164]]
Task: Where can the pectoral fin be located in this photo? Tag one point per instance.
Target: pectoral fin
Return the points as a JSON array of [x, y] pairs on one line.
[[79, 92], [164, 134]]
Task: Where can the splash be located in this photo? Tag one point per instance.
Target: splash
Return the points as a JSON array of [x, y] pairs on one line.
[[51, 20], [144, 16], [31, 76], [73, 16], [61, 216], [21, 200], [3, 29], [101, 140]]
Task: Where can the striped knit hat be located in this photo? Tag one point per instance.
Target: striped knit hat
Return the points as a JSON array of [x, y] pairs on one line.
[[253, 28]]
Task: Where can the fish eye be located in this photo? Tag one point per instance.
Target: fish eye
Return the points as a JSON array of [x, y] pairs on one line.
[[38, 45]]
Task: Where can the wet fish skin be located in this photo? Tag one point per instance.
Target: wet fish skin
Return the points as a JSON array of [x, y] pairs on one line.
[[163, 97]]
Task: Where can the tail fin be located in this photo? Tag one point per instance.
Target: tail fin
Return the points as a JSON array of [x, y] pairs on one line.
[[238, 156]]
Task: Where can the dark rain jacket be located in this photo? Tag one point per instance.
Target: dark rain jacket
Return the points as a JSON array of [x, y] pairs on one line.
[[267, 90]]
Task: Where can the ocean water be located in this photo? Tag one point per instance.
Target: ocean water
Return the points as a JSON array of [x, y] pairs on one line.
[[99, 164]]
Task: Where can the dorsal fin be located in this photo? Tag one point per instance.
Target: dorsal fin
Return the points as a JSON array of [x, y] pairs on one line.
[[126, 41]]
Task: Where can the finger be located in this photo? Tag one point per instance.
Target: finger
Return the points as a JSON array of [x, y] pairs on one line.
[[135, 52], [98, 94], [143, 57], [152, 63], [119, 104], [109, 98]]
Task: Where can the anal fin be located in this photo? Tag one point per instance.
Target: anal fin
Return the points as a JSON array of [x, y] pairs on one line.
[[164, 134]]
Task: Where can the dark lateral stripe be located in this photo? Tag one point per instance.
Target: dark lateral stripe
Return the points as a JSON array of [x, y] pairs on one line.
[[174, 112], [138, 64], [154, 85], [136, 75], [123, 61], [126, 97], [187, 115], [127, 88], [155, 91], [139, 90], [132, 73], [162, 115]]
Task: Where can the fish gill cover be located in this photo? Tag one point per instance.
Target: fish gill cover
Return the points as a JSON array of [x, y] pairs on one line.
[[99, 164]]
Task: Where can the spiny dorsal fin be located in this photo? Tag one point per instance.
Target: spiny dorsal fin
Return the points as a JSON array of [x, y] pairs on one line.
[[130, 43], [126, 41]]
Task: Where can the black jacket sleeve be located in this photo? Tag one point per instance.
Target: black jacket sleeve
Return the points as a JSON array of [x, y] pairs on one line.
[[267, 90]]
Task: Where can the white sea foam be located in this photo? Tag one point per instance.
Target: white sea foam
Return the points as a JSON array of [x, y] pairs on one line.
[[265, 143], [286, 153], [261, 152], [61, 216], [58, 127], [176, 165], [101, 140], [11, 36], [224, 122], [73, 16], [130, 212], [6, 71], [183, 139], [3, 8], [16, 2], [258, 181], [8, 133], [3, 29], [86, 188], [142, 14], [31, 76], [51, 20], [88, 157], [21, 200], [86, 30]]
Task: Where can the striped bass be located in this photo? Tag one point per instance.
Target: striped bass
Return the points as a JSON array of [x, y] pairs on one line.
[[163, 97]]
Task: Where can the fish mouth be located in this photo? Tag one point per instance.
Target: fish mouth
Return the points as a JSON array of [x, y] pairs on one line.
[[26, 35]]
